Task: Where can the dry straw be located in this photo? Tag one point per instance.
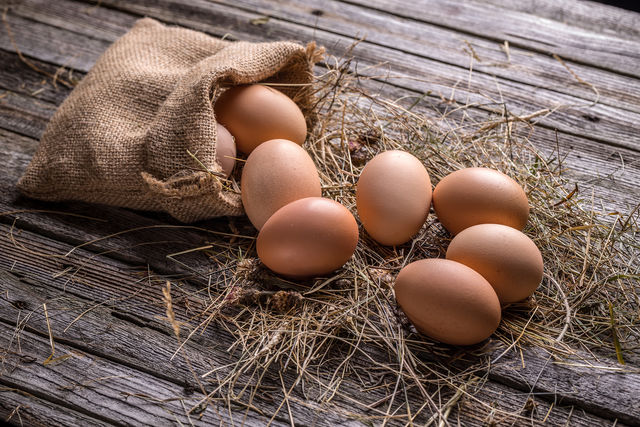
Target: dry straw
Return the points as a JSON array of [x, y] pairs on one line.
[[340, 343]]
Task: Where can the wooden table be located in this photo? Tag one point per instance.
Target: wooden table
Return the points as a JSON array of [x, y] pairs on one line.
[[101, 309]]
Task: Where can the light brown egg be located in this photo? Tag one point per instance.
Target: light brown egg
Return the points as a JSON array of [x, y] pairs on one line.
[[257, 113], [308, 237], [393, 197], [479, 196], [225, 150], [275, 174], [448, 301], [507, 258]]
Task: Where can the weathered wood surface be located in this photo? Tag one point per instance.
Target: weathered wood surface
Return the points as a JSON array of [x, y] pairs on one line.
[[137, 339], [121, 335], [599, 50], [596, 17]]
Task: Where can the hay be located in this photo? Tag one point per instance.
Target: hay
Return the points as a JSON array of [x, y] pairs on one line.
[[341, 340]]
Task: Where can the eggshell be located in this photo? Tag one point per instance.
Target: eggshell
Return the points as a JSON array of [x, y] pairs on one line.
[[393, 197], [257, 113], [507, 258], [448, 301], [225, 150], [308, 237], [276, 173], [479, 196]]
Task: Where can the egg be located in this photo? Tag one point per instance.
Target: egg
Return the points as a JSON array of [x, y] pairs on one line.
[[225, 150], [507, 258], [257, 113], [309, 237], [448, 301], [275, 174], [393, 197], [479, 196]]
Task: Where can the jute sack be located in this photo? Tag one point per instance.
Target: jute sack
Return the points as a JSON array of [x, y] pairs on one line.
[[124, 134]]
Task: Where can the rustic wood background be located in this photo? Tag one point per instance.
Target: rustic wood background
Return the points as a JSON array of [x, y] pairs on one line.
[[103, 307]]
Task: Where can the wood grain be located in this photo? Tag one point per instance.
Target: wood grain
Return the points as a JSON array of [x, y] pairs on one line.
[[115, 331], [596, 17], [603, 387], [545, 36], [20, 408], [18, 77], [111, 392]]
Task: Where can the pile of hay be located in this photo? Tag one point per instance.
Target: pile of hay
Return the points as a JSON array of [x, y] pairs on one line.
[[341, 341]]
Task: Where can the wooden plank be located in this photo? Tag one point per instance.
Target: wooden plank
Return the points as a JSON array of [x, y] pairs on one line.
[[24, 115], [607, 176], [100, 332], [103, 281], [603, 387], [15, 151], [94, 328], [56, 47], [138, 340], [20, 408], [440, 77], [105, 390], [524, 30], [506, 406], [596, 17], [610, 125], [539, 70]]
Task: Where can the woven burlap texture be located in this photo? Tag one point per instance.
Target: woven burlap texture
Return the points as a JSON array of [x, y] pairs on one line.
[[124, 134]]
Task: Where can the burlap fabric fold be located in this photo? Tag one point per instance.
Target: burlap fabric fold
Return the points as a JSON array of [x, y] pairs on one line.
[[124, 134]]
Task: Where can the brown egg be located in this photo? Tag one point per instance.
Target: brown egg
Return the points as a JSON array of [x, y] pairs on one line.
[[308, 237], [508, 259], [225, 150], [393, 197], [256, 113], [276, 173], [479, 196], [448, 301]]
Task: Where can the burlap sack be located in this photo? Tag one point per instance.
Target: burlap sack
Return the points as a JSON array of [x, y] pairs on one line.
[[123, 135]]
